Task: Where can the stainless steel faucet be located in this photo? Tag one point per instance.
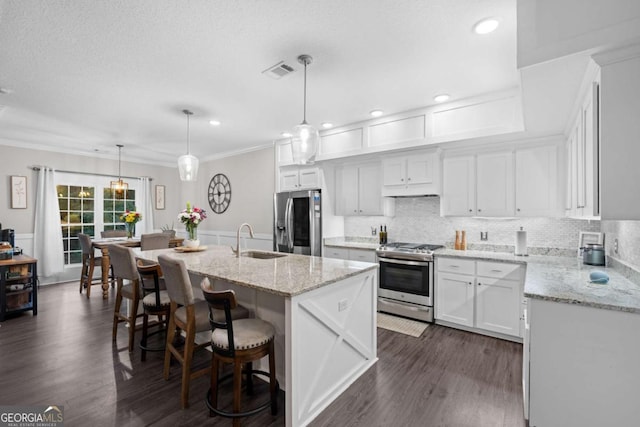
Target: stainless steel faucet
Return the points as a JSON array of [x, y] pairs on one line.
[[237, 249]]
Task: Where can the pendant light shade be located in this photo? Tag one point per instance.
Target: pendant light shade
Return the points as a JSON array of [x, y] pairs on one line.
[[119, 186], [305, 138], [188, 164]]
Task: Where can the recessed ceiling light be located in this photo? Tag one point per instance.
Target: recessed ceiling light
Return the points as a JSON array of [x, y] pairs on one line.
[[286, 134], [441, 98], [214, 122], [376, 113], [486, 26], [327, 125]]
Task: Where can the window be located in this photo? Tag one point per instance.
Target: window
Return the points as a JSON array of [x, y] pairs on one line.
[[115, 204], [88, 205]]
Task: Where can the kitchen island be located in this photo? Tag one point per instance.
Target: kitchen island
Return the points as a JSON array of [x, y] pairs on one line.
[[323, 311]]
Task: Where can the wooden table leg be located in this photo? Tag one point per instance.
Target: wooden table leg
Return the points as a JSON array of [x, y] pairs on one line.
[[105, 272]]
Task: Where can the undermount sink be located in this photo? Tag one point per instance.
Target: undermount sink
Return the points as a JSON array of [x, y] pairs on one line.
[[262, 255]]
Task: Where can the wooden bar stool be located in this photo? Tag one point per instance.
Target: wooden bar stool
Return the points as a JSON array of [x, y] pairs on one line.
[[191, 316], [155, 302], [89, 262], [239, 342]]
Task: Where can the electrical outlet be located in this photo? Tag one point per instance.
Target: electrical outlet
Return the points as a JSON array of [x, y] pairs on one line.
[[343, 304], [484, 235], [615, 246]]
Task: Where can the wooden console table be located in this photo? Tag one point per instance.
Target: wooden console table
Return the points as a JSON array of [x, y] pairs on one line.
[[18, 285]]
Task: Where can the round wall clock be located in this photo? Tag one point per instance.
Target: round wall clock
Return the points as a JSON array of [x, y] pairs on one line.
[[219, 193]]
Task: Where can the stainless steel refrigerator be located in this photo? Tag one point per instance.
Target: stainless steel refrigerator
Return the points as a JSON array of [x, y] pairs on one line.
[[298, 222]]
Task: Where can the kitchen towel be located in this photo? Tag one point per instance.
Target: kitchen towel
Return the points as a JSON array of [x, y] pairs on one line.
[[521, 242]]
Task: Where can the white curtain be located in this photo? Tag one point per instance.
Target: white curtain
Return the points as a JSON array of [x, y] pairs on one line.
[[47, 241], [146, 197]]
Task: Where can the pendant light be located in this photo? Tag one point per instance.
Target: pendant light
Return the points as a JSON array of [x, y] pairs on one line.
[[305, 138], [119, 186], [188, 164]]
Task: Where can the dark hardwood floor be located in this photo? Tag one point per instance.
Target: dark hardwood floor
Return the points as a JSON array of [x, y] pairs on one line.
[[65, 356]]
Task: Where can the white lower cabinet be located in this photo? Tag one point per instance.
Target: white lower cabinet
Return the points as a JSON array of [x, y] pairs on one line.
[[454, 298], [483, 295], [351, 254]]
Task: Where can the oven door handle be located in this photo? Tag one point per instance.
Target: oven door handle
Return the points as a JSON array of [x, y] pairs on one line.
[[404, 262]]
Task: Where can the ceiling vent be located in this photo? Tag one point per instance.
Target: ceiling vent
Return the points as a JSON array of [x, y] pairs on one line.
[[279, 70]]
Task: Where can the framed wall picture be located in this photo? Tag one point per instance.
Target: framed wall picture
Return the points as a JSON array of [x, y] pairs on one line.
[[19, 192], [159, 197], [587, 237]]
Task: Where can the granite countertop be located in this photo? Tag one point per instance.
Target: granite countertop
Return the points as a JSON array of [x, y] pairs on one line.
[[288, 276], [565, 280], [352, 242]]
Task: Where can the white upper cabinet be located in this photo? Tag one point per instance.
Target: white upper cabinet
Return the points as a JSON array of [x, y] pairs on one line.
[[299, 178], [536, 181], [458, 186], [358, 190], [411, 175], [583, 160], [515, 182], [494, 184]]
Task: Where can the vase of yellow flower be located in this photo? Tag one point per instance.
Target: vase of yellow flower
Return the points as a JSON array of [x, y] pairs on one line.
[[130, 218], [191, 218]]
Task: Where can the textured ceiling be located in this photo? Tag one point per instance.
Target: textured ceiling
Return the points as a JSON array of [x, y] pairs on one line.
[[86, 75]]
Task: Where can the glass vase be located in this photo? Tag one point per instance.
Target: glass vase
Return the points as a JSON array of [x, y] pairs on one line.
[[130, 227], [192, 238]]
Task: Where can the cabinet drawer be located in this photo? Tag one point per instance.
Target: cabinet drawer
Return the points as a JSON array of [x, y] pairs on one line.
[[362, 255], [501, 270], [456, 265], [340, 253]]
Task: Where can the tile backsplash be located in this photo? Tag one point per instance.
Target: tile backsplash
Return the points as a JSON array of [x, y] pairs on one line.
[[628, 235], [418, 219]]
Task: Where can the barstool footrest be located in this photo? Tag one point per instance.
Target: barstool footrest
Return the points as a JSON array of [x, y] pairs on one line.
[[242, 414]]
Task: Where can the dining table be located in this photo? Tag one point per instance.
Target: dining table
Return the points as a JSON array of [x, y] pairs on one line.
[[104, 244]]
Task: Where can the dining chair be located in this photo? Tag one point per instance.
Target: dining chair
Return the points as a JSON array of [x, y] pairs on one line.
[[189, 315], [239, 342], [113, 233], [125, 269], [89, 261], [151, 241]]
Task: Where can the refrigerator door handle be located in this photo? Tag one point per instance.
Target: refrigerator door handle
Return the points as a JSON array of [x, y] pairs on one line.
[[290, 222]]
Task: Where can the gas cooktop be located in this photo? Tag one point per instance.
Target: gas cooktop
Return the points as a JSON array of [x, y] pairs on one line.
[[409, 251]]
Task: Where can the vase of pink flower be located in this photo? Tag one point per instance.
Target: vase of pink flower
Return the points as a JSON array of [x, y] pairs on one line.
[[191, 217]]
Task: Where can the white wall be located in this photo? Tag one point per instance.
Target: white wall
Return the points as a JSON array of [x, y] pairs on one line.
[[549, 29], [252, 178], [19, 161]]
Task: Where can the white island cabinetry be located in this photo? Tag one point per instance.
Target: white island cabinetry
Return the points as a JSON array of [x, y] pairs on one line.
[[323, 311]]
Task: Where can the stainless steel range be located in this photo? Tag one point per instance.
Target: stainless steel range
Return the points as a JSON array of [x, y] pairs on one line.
[[406, 280]]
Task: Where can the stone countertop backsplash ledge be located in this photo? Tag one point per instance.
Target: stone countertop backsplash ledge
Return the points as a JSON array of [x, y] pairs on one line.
[[563, 252], [565, 279], [355, 242]]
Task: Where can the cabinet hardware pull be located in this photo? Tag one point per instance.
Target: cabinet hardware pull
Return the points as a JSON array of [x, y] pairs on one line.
[[497, 271], [518, 209], [479, 284], [470, 283], [470, 210], [401, 179], [408, 179], [479, 210]]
